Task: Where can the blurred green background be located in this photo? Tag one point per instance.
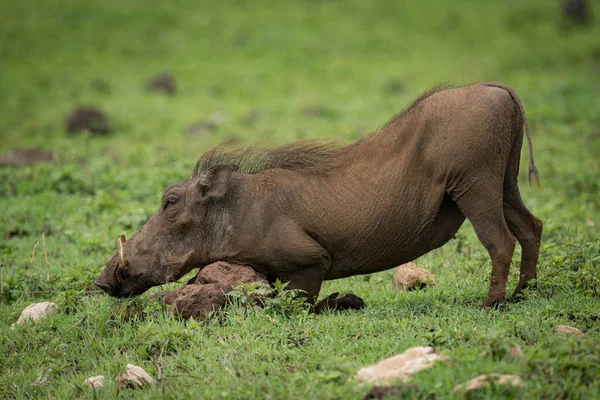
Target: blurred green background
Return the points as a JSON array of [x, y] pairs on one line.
[[272, 72]]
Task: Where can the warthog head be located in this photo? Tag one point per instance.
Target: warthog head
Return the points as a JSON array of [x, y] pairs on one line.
[[173, 241]]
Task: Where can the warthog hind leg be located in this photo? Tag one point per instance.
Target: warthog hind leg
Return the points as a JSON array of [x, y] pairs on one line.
[[528, 231], [483, 207]]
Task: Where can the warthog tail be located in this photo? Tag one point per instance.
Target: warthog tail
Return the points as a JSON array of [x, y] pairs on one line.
[[532, 169]]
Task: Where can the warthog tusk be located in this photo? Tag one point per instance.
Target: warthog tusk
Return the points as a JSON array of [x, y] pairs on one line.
[[120, 244], [122, 263]]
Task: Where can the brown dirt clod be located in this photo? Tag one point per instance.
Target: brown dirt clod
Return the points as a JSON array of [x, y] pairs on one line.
[[207, 291], [25, 157], [163, 82], [87, 119]]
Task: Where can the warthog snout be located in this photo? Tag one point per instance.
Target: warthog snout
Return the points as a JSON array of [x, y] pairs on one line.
[[112, 285], [105, 286]]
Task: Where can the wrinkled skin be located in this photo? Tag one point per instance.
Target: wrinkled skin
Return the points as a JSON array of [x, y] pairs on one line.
[[167, 246], [392, 197]]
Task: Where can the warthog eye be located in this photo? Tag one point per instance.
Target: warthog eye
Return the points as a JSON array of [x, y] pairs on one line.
[[170, 200]]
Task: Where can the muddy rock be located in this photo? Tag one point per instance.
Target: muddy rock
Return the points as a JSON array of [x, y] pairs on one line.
[[196, 301], [25, 157], [410, 277], [87, 119], [135, 377], [163, 82], [487, 380], [37, 311], [401, 366], [569, 330], [207, 291], [228, 275]]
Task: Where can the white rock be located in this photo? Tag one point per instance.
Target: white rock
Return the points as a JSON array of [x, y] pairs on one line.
[[37, 311], [569, 330], [94, 382], [409, 277], [487, 380], [135, 376], [401, 366]]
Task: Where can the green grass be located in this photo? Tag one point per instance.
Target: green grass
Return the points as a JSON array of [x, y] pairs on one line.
[[299, 70]]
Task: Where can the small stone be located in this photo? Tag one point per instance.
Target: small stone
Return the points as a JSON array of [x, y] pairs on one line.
[[25, 157], [94, 382], [401, 366], [37, 311], [135, 377], [569, 330], [487, 380], [410, 277]]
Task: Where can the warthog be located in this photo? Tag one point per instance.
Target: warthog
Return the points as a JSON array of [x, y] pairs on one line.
[[312, 211]]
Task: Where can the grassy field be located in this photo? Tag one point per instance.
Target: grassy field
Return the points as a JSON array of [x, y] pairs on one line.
[[276, 72]]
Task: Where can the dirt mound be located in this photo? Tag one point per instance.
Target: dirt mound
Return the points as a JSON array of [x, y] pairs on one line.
[[207, 291], [87, 119], [25, 157]]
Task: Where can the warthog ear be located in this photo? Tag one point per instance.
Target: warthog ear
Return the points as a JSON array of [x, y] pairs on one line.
[[214, 182]]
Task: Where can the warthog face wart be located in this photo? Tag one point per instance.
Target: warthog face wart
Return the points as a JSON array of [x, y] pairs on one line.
[[170, 244]]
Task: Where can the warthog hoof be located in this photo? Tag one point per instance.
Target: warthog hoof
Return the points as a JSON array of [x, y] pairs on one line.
[[347, 302]]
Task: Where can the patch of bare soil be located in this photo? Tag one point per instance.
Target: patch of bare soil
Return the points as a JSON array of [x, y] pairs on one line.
[[25, 157]]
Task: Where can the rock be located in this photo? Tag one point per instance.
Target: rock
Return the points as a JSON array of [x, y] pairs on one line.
[[94, 382], [87, 119], [25, 157], [163, 82], [37, 311], [401, 366], [134, 377], [207, 291], [195, 301], [487, 380], [228, 275], [569, 330], [409, 277], [398, 391]]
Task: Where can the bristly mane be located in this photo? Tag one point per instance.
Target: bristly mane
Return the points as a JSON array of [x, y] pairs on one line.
[[313, 156], [316, 156], [440, 87]]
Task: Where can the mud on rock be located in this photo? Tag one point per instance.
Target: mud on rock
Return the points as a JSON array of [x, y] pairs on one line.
[[207, 291]]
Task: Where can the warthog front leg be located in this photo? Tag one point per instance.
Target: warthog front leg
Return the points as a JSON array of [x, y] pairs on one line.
[[333, 302]]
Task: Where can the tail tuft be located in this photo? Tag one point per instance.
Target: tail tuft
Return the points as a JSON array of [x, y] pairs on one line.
[[533, 171]]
